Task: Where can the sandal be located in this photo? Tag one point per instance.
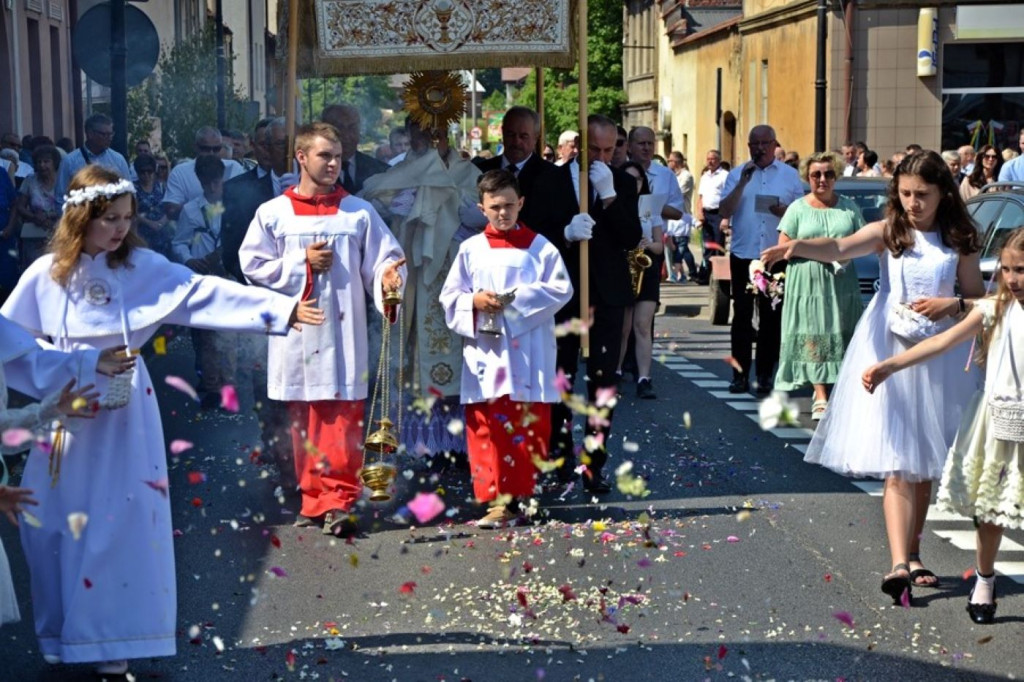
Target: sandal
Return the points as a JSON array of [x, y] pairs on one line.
[[895, 585], [921, 573], [818, 408]]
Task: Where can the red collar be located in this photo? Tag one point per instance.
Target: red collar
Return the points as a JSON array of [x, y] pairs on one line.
[[519, 237], [318, 204]]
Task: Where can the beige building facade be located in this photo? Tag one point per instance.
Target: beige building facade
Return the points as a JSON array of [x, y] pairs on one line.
[[765, 61]]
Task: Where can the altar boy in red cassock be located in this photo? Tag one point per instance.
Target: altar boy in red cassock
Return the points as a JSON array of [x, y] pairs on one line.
[[501, 295], [331, 246]]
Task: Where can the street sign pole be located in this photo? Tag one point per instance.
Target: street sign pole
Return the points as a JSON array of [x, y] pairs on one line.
[[118, 77]]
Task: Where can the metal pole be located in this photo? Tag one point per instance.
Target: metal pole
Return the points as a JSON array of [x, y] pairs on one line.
[[118, 77], [820, 81], [581, 156], [718, 110], [221, 71]]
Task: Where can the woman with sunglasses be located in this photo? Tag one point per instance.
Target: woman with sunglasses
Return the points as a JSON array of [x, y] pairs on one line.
[[822, 304], [986, 169]]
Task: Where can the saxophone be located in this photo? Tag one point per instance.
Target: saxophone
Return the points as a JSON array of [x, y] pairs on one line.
[[638, 261]]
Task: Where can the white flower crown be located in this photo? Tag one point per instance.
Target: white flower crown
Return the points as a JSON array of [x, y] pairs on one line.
[[86, 195]]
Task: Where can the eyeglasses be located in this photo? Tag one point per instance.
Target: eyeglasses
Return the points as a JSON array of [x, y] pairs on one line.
[[619, 143], [990, 156], [828, 175], [102, 133], [549, 157], [210, 148]]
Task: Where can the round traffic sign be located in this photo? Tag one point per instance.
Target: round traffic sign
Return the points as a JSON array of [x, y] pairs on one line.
[[476, 133], [90, 42]]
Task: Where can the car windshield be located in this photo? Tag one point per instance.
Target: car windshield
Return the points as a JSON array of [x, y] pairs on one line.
[[870, 200], [994, 245]]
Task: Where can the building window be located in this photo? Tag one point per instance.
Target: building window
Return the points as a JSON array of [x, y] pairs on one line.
[[764, 91], [35, 76], [56, 82], [982, 94]]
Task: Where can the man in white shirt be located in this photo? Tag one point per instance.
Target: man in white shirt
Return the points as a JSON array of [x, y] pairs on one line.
[[850, 154], [1013, 170], [183, 184], [567, 142], [99, 132], [754, 198], [709, 196], [660, 179]]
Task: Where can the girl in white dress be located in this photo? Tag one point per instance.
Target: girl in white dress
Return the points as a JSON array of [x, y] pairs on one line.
[[927, 245], [42, 368], [108, 593], [984, 476]]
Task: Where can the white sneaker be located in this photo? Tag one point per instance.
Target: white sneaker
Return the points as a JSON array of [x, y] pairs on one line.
[[112, 668]]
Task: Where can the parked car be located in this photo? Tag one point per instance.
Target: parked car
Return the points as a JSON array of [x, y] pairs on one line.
[[998, 210], [870, 194]]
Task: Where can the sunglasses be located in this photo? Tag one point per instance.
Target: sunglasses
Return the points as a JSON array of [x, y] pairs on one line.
[[828, 175], [549, 157], [210, 148], [619, 143], [990, 156]]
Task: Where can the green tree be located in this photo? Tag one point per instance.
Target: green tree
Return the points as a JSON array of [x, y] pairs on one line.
[[142, 101], [370, 94], [604, 71], [187, 93]]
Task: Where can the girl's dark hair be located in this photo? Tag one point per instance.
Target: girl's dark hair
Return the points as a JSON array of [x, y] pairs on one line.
[[977, 176], [955, 226], [645, 187]]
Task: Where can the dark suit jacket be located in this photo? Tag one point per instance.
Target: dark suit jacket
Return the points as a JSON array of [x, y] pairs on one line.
[[534, 167], [553, 204], [243, 194], [366, 166]]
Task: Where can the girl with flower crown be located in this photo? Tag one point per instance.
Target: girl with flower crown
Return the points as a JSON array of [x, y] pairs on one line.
[[105, 592], [984, 473]]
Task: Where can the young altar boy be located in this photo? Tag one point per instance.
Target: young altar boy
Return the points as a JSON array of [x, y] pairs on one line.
[[501, 295], [318, 240]]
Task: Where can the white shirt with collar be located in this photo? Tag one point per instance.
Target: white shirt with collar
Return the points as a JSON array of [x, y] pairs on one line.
[[662, 180], [710, 189], [753, 231], [183, 183]]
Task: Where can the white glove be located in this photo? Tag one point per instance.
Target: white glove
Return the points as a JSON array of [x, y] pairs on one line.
[[601, 178], [581, 228]]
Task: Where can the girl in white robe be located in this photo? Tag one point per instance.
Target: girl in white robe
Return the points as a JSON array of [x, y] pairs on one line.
[[110, 594]]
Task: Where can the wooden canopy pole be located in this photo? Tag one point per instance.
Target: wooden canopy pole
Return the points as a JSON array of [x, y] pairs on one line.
[[581, 155], [292, 81]]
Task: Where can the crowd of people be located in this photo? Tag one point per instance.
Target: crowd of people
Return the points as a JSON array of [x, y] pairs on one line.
[[294, 264]]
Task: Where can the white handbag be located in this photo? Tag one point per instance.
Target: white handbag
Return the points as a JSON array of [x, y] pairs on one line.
[[1006, 412]]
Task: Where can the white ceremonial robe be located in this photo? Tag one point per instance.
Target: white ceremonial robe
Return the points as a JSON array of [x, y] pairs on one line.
[[521, 363], [111, 594], [42, 372], [327, 362]]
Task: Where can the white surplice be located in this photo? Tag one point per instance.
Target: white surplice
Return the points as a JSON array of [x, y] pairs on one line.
[[111, 594], [327, 362], [521, 363]]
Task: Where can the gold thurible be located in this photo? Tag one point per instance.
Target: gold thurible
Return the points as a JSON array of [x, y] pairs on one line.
[[380, 474]]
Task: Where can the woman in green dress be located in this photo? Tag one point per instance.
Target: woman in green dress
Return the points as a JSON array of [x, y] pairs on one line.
[[822, 301]]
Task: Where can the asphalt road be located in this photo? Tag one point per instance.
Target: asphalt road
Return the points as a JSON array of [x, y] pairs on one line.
[[742, 562]]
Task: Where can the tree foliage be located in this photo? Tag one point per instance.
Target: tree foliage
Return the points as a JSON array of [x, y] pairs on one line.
[[604, 71], [142, 101], [370, 94], [187, 93]]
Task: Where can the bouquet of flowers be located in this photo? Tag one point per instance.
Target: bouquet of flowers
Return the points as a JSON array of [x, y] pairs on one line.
[[766, 283]]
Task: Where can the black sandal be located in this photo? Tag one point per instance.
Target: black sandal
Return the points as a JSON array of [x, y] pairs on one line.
[[896, 585], [921, 573]]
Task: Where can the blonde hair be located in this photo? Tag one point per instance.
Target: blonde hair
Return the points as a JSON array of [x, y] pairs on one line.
[[1003, 296], [831, 158], [306, 135], [68, 239]]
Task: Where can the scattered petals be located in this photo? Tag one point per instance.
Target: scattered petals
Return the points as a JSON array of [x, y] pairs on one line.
[[76, 523], [160, 345], [777, 410], [31, 519], [229, 398], [278, 571], [159, 486], [79, 403], [732, 538], [844, 617], [425, 506], [905, 598], [14, 438], [407, 588], [181, 385], [196, 477]]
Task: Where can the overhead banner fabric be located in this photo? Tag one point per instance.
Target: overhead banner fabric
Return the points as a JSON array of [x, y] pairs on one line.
[[350, 37]]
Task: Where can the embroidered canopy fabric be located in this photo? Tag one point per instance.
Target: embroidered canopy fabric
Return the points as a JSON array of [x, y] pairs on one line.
[[346, 37]]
